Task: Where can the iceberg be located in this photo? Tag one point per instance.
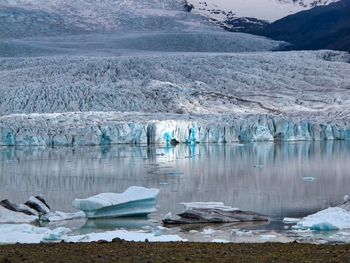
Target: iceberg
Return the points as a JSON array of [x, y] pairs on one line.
[[213, 212], [135, 201], [332, 218]]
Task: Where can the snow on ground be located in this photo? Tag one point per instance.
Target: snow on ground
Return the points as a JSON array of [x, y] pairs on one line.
[[28, 234], [188, 97]]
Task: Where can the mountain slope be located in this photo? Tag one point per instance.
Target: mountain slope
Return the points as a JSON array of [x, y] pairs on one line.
[[248, 15], [326, 27]]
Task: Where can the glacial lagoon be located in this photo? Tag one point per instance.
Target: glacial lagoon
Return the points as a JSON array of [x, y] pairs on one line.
[[276, 179]]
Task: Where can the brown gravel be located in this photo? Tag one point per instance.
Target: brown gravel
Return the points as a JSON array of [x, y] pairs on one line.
[[174, 252]]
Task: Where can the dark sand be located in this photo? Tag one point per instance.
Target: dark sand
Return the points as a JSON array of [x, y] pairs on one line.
[[174, 252]]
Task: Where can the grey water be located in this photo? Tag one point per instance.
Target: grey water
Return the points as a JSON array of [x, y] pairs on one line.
[[268, 178]]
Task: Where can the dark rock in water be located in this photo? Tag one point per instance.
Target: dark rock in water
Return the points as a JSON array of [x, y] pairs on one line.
[[212, 214], [17, 208], [38, 205]]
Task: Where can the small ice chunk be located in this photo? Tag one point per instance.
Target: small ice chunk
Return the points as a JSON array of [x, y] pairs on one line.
[[208, 205], [57, 234], [290, 220], [61, 216], [267, 237], [208, 231], [168, 216], [309, 179]]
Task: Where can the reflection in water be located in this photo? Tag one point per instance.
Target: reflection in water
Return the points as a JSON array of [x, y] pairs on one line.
[[263, 177]]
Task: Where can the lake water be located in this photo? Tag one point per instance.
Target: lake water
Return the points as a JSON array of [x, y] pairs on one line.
[[268, 178]]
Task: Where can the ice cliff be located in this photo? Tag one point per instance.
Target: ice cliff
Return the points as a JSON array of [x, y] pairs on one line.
[[104, 128]]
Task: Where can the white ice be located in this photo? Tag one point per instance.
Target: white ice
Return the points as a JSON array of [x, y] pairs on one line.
[[8, 216], [62, 216], [290, 220], [333, 218], [28, 234], [208, 205]]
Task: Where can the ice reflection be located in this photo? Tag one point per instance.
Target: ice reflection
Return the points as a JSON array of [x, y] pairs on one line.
[[264, 177]]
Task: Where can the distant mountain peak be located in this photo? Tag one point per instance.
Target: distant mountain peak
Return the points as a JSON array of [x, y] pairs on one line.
[[224, 12]]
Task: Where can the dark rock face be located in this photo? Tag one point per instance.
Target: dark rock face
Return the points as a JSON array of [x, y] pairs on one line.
[[323, 27], [215, 215]]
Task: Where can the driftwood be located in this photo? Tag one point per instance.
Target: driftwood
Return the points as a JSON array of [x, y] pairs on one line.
[[200, 215]]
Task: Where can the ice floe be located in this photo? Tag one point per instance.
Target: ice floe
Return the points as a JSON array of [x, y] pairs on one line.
[[135, 201]]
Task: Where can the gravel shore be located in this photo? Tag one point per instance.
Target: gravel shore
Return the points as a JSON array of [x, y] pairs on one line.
[[121, 251]]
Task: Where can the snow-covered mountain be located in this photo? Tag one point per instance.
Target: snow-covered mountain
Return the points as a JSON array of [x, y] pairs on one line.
[[239, 14]]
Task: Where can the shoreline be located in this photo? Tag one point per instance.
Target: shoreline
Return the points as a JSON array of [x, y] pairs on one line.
[[122, 251]]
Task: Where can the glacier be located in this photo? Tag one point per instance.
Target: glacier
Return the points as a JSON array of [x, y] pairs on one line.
[[135, 201], [164, 98]]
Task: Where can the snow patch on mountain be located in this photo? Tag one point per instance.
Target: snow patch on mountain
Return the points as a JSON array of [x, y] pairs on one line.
[[266, 10]]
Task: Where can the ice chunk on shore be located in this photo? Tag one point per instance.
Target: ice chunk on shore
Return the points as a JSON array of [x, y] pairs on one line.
[[136, 236], [28, 234], [8, 216], [62, 216], [332, 218], [135, 201], [23, 233]]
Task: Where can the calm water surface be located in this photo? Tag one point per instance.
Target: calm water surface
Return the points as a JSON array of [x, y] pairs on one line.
[[263, 177]]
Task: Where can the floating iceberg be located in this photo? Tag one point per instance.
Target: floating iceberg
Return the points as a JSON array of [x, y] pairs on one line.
[[135, 201], [332, 218], [213, 212]]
